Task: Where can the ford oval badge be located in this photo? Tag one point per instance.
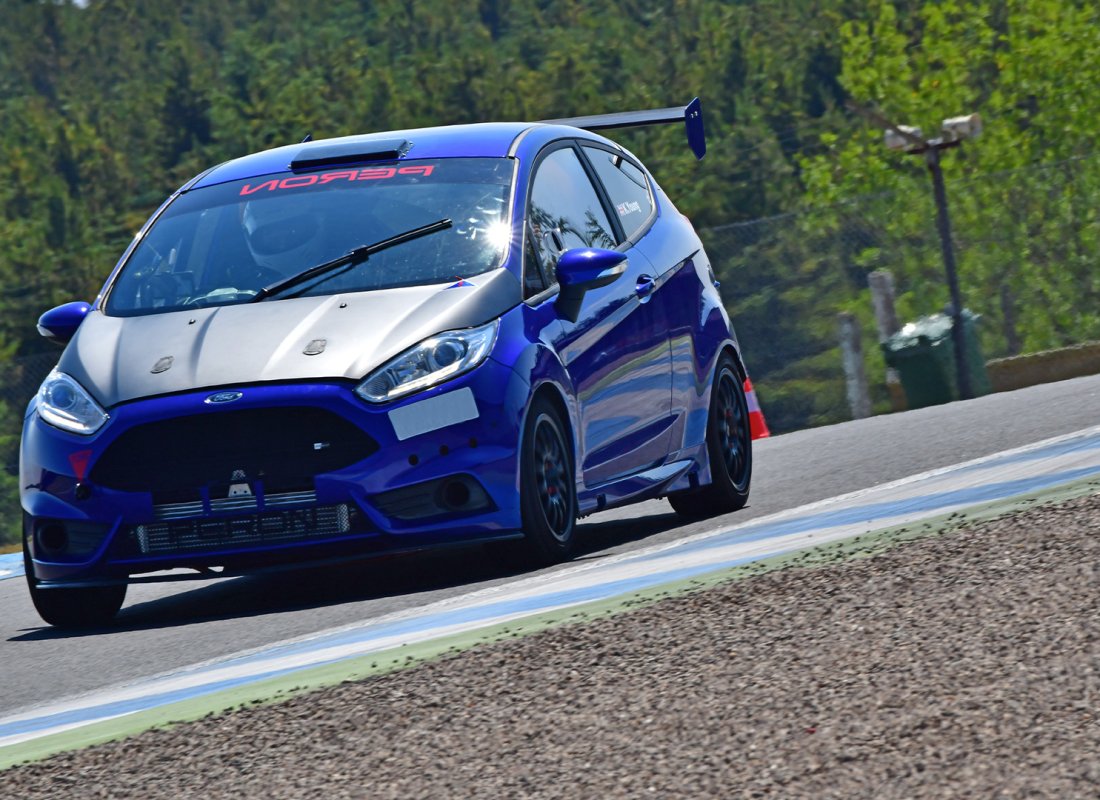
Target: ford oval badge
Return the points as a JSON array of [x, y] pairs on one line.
[[224, 397]]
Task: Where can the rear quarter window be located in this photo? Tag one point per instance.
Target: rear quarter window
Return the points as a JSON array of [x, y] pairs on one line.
[[627, 187]]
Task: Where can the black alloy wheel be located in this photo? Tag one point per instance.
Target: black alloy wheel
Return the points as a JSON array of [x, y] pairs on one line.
[[729, 450], [548, 499], [734, 433]]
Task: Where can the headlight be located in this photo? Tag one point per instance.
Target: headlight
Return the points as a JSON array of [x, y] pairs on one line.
[[432, 361], [62, 402]]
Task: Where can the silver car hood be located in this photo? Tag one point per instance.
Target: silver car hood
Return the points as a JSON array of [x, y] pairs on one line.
[[124, 358]]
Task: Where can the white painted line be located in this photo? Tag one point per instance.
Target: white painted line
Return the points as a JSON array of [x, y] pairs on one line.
[[917, 497], [573, 574], [11, 565]]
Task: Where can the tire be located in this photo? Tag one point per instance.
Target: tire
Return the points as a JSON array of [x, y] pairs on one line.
[[548, 494], [729, 450], [72, 608]]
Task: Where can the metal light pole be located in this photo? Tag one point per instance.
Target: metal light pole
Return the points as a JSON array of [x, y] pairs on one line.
[[909, 140], [943, 223]]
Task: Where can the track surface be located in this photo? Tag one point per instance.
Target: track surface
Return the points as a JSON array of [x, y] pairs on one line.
[[168, 626]]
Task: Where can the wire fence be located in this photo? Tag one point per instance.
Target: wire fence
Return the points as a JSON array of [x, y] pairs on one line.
[[1028, 249]]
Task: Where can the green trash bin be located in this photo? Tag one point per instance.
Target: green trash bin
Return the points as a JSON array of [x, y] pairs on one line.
[[923, 353]]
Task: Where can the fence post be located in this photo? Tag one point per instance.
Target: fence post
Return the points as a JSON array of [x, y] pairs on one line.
[[886, 320], [851, 349]]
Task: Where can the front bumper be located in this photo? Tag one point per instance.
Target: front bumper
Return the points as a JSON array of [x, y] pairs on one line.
[[286, 474]]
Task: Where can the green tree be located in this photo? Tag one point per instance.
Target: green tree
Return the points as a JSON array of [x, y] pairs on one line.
[[1026, 236]]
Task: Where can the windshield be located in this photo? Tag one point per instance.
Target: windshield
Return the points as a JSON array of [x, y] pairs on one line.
[[222, 244]]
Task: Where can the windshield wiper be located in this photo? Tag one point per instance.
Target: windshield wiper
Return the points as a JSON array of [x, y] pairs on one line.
[[350, 258]]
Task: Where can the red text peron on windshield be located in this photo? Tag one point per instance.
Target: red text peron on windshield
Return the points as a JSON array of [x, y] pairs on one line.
[[365, 174]]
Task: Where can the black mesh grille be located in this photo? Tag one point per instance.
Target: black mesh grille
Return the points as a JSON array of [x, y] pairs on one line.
[[278, 527], [283, 447]]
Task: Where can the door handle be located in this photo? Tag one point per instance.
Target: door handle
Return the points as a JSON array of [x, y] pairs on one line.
[[645, 286]]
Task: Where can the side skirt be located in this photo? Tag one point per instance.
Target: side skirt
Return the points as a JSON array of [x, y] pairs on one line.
[[641, 486]]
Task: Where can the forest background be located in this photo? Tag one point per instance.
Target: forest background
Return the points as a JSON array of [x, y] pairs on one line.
[[108, 106]]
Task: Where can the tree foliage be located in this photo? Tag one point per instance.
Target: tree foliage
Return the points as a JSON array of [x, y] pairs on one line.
[[107, 106], [1022, 196]]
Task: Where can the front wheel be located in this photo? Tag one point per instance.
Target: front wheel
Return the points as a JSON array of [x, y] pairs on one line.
[[85, 607], [729, 450], [548, 497]]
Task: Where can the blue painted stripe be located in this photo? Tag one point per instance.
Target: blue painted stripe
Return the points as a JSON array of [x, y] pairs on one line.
[[805, 524], [1076, 445], [105, 710], [885, 510], [487, 614], [11, 565], [490, 612]]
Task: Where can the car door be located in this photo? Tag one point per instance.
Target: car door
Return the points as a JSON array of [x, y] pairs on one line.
[[691, 307], [616, 352]]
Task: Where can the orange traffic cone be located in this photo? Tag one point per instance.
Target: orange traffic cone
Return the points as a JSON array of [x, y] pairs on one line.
[[757, 424]]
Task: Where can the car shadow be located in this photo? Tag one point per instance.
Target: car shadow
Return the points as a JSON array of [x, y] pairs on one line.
[[293, 590], [356, 581], [597, 536]]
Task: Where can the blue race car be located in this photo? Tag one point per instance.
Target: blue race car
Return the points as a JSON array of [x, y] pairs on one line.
[[382, 343]]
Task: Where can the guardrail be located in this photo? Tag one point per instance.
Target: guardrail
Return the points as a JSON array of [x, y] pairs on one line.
[[1016, 372]]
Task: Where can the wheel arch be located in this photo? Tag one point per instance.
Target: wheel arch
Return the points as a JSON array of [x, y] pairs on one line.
[[553, 394], [543, 374], [731, 349], [548, 503]]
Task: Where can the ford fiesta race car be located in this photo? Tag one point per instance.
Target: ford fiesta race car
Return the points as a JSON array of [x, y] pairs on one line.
[[381, 343]]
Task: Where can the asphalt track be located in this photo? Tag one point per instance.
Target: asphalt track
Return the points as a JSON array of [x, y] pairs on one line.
[[164, 627]]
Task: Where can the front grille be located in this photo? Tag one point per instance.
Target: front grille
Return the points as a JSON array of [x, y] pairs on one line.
[[270, 527], [282, 447], [224, 505]]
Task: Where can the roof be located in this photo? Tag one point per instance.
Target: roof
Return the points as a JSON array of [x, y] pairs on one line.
[[489, 139]]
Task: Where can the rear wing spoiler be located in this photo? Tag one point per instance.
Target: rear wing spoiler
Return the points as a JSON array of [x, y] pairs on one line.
[[691, 114]]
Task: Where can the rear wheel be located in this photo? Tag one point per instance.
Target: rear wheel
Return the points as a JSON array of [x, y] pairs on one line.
[[729, 450], [72, 608], [548, 498]]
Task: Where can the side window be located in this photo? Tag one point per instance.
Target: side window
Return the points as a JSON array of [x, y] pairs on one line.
[[534, 272], [564, 211], [626, 186]]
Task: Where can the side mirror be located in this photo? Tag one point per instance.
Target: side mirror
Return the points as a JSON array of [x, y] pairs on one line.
[[59, 324], [582, 269]]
